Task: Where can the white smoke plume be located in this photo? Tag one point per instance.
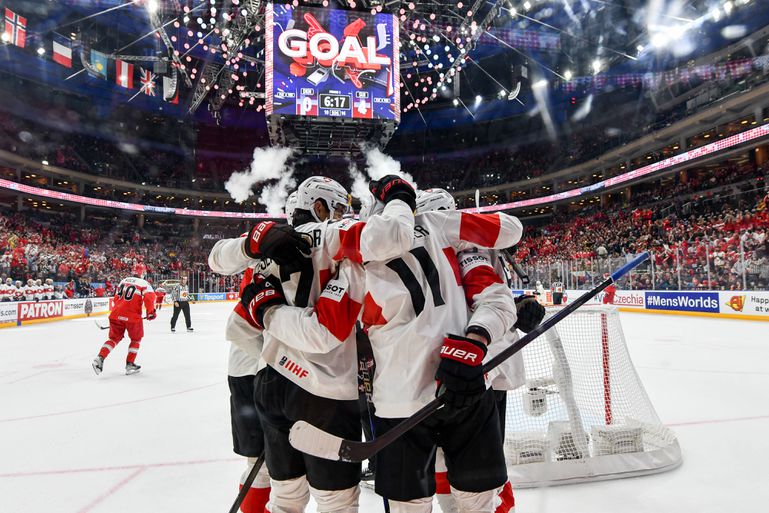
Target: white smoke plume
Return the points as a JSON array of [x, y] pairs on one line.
[[378, 165], [274, 196], [267, 164], [359, 182]]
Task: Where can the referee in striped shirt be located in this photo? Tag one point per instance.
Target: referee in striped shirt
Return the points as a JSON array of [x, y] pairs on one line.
[[181, 297]]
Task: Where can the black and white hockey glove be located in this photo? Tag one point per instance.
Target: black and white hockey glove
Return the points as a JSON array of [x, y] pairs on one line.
[[259, 295], [392, 187], [460, 372], [278, 242], [530, 313]]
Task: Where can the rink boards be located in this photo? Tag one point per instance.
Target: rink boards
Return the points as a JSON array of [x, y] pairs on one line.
[[31, 312], [746, 305], [728, 304]]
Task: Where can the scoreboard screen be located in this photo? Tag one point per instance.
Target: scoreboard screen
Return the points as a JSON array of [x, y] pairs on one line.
[[331, 63]]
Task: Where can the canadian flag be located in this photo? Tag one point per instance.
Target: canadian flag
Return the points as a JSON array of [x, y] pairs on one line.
[[124, 74]]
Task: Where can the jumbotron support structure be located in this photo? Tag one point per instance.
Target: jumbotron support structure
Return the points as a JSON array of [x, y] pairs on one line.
[[213, 77], [332, 137]]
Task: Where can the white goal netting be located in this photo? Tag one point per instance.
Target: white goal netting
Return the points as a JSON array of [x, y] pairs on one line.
[[583, 413]]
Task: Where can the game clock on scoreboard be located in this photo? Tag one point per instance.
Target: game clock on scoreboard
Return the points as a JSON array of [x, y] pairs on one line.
[[335, 101]]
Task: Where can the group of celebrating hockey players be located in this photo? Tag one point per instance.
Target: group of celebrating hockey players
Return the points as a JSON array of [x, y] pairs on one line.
[[33, 290], [428, 288]]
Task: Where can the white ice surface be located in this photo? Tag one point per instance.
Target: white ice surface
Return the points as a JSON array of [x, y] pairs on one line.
[[159, 441]]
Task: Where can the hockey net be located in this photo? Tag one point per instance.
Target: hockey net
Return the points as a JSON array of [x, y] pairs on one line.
[[583, 413]]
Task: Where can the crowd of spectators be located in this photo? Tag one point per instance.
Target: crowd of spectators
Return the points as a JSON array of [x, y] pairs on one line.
[[90, 258], [713, 242]]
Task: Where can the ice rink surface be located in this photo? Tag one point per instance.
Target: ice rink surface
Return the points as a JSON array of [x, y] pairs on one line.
[[159, 441]]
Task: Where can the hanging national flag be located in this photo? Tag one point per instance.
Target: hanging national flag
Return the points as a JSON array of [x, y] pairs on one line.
[[99, 64], [124, 74], [15, 28], [147, 78], [170, 90], [62, 50]]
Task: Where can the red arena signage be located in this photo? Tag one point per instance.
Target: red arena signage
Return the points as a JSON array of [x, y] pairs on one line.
[[40, 310]]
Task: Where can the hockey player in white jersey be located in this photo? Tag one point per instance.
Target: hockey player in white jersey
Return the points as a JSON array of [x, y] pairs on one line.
[[246, 343], [484, 272], [306, 378], [421, 330], [29, 290], [48, 289], [6, 290], [407, 333]]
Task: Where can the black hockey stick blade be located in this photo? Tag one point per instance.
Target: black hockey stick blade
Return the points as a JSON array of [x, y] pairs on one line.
[[247, 484], [314, 441], [517, 269]]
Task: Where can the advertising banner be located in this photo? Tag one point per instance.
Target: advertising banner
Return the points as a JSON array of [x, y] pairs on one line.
[[734, 304], [331, 63], [746, 303], [683, 301], [217, 296], [29, 311], [8, 312], [630, 298]]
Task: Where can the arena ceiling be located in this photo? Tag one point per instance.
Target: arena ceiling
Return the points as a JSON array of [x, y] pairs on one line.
[[503, 46]]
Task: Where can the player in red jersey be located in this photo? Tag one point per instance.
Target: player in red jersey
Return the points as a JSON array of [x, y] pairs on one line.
[[160, 295], [609, 293], [130, 296]]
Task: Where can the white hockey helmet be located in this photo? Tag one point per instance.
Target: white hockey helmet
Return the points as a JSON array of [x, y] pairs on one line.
[[434, 199], [320, 187], [18, 284], [38, 282], [291, 206], [9, 281]]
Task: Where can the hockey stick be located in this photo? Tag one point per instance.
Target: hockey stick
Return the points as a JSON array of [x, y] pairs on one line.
[[247, 484], [367, 367], [107, 327], [522, 275], [315, 442]]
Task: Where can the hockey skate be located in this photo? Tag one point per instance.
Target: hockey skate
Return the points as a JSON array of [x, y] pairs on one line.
[[132, 368], [190, 329], [98, 365]]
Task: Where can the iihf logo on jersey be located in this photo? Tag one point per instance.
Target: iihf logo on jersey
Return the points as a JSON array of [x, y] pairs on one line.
[[292, 367]]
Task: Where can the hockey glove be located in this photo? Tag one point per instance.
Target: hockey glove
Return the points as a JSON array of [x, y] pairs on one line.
[[259, 295], [278, 242], [460, 373], [392, 187], [152, 315], [530, 313]]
